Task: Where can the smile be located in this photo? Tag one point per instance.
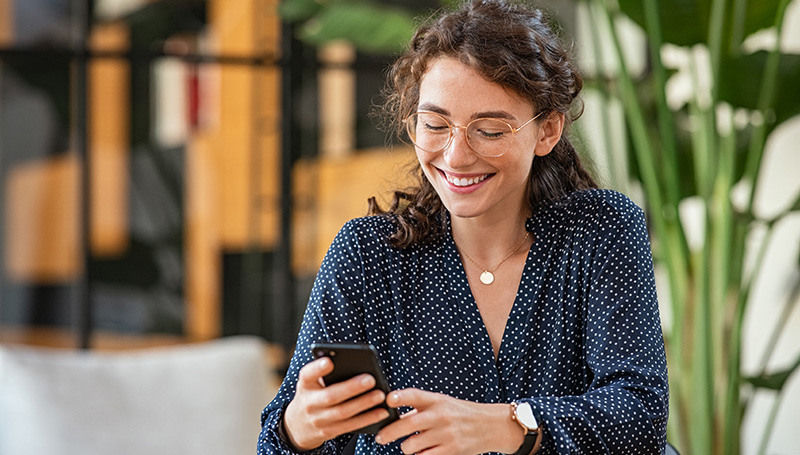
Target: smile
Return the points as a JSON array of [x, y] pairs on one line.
[[462, 182]]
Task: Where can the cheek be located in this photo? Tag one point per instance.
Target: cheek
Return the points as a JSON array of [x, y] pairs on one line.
[[529, 143], [522, 164], [420, 156], [424, 160], [523, 170]]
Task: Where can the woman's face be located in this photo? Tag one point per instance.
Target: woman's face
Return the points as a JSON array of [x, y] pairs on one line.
[[469, 184]]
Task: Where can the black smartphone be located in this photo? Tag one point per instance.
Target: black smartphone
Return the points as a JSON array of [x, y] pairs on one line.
[[352, 359]]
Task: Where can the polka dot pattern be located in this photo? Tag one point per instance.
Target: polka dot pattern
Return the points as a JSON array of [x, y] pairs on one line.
[[583, 342]]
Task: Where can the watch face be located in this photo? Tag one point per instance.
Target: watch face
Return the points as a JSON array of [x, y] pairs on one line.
[[525, 416]]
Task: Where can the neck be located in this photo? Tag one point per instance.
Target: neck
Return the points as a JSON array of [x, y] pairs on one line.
[[488, 242]]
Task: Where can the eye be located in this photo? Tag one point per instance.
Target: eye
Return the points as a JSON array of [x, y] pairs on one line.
[[489, 129], [435, 127], [433, 124], [490, 134]]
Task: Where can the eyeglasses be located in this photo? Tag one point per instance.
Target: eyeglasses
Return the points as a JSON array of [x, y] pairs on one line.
[[489, 137]]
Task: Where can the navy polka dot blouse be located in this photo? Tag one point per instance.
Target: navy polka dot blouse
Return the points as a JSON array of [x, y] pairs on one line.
[[583, 342]]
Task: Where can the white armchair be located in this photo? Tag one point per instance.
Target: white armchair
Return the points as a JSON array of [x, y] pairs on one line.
[[198, 399]]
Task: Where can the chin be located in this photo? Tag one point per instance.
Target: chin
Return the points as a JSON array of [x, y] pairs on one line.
[[463, 210]]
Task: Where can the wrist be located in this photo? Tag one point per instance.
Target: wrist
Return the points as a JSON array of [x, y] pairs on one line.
[[500, 433], [287, 437], [527, 420]]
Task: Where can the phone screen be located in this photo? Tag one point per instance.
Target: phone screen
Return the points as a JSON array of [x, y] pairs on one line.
[[350, 360]]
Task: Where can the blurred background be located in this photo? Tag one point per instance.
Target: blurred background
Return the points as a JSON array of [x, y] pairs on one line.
[[162, 162], [173, 171]]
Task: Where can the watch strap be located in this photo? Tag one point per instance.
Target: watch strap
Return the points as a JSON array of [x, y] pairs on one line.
[[533, 438], [529, 444]]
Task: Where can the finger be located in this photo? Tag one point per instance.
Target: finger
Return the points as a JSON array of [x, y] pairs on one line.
[[346, 390], [419, 443], [410, 423], [354, 407], [326, 425], [360, 421], [438, 450], [311, 374], [414, 398]]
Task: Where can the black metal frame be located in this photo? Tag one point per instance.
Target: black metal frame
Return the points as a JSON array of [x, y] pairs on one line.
[[284, 282], [80, 40]]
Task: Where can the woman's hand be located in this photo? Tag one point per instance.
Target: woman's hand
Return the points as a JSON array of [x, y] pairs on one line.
[[318, 413], [439, 424]]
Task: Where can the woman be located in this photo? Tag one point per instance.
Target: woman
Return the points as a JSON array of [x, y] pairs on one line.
[[513, 305]]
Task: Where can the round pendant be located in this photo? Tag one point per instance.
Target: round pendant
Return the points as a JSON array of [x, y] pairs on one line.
[[487, 277]]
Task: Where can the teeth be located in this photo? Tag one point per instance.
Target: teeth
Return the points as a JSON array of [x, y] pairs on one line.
[[465, 181]]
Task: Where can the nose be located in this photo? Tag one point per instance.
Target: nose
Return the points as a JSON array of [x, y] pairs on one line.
[[458, 152]]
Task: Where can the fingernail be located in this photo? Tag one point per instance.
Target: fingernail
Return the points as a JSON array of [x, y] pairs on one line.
[[396, 396], [367, 380], [379, 439]]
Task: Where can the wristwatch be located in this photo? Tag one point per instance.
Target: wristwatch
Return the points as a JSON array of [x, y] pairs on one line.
[[523, 414]]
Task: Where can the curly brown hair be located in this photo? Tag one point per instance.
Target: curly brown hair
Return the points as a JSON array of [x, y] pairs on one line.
[[508, 43]]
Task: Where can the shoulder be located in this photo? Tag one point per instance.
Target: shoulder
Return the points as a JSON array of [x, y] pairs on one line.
[[595, 213], [365, 234], [369, 227], [597, 205], [361, 242]]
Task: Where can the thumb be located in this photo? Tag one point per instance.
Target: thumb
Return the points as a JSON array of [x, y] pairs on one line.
[[311, 374]]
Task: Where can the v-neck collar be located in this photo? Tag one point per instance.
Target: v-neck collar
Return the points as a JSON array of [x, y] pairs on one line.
[[519, 331]]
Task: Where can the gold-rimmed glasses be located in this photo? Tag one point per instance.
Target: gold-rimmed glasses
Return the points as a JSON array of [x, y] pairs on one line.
[[489, 137]]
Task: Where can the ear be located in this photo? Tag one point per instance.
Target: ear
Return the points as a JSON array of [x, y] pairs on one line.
[[549, 133]]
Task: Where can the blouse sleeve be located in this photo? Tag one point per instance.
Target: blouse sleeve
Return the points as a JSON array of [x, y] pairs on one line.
[[626, 405], [335, 296]]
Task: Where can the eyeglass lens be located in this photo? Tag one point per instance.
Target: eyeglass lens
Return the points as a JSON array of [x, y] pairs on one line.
[[432, 132]]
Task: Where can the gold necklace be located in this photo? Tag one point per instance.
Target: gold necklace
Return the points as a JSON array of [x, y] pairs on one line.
[[487, 276]]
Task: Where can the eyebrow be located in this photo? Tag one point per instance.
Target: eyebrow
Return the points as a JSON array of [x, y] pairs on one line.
[[486, 114]]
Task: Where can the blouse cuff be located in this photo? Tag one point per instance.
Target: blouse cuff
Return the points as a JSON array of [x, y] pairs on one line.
[[546, 446]]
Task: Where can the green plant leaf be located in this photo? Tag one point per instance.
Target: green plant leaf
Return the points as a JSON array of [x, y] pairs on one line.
[[371, 28], [773, 381], [796, 206], [298, 10], [451, 4], [740, 83], [685, 22]]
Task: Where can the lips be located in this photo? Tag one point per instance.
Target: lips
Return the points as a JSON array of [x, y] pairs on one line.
[[465, 181]]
